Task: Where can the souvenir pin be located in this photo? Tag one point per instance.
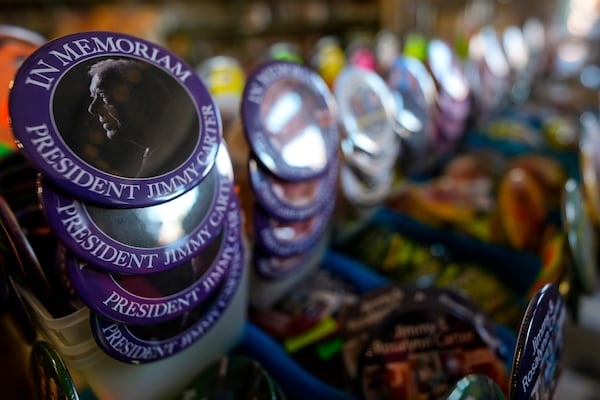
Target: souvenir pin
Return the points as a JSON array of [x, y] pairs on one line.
[[286, 238], [289, 120], [422, 348], [581, 238], [408, 81], [4, 287], [273, 268], [143, 240], [515, 48], [16, 44], [26, 266], [359, 319], [387, 48], [114, 120], [284, 51], [475, 387], [366, 109], [224, 78], [363, 190], [50, 376], [589, 161], [537, 359], [318, 296], [143, 344], [328, 59], [233, 376], [150, 299], [291, 200]]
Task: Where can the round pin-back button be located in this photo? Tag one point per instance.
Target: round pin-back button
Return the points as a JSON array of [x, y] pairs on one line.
[[118, 121], [4, 287], [291, 200], [367, 163], [589, 163], [515, 48], [539, 351], [581, 237], [26, 269], [233, 377], [143, 240], [290, 120], [475, 386], [431, 341], [50, 376], [16, 44], [224, 78], [366, 109], [286, 238], [446, 71], [271, 267], [363, 190], [357, 320], [151, 299], [409, 80], [144, 344]]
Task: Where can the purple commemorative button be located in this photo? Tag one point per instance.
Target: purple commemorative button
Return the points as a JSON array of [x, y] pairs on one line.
[[291, 200], [114, 120], [537, 359], [366, 109], [150, 299], [273, 268], [286, 238], [144, 344], [290, 120], [143, 240]]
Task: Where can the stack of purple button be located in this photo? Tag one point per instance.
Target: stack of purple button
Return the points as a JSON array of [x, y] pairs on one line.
[[136, 186], [290, 123]]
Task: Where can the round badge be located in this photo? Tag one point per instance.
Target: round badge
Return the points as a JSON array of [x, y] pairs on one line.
[[589, 163], [286, 238], [114, 120], [538, 354], [271, 267], [150, 299], [143, 240], [515, 48], [51, 379], [409, 81], [25, 265], [291, 200], [144, 344], [366, 109], [233, 377], [446, 70], [16, 44], [289, 120], [357, 320], [4, 287], [581, 237], [475, 387], [224, 78], [426, 345], [366, 163], [363, 190]]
